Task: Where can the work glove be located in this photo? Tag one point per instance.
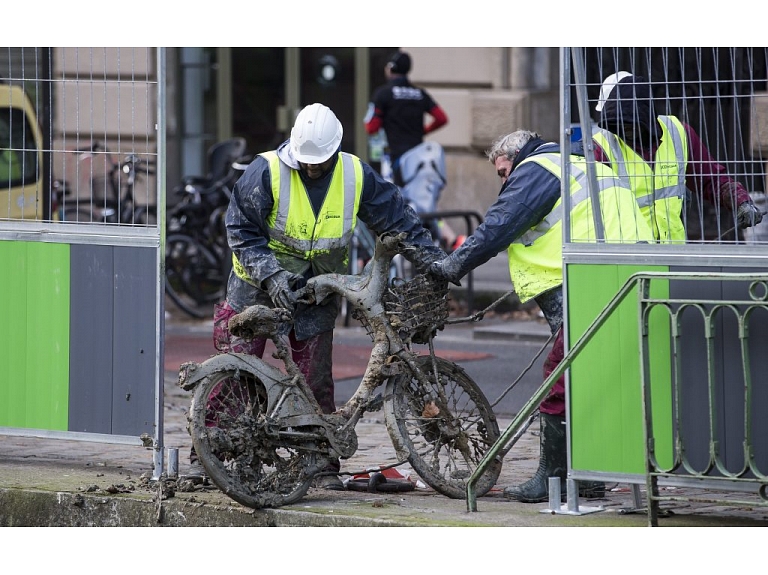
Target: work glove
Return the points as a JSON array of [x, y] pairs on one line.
[[444, 270], [423, 256], [280, 290], [748, 214]]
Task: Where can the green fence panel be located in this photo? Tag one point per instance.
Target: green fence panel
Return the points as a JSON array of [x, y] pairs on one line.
[[34, 343], [605, 401]]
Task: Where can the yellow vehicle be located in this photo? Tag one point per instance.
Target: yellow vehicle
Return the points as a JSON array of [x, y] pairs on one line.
[[21, 144]]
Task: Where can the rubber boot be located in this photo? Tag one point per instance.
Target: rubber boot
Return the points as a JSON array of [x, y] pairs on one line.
[[552, 462]]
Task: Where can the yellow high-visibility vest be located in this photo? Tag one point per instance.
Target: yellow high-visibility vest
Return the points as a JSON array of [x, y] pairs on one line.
[[298, 238], [536, 257], [660, 191]]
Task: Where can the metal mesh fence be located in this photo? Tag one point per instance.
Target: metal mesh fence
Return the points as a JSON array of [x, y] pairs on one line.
[[80, 125], [700, 113]]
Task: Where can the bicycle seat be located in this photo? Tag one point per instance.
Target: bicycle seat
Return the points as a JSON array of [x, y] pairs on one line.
[[259, 321], [221, 157]]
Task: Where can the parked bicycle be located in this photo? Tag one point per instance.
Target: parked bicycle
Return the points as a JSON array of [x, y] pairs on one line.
[[261, 435], [197, 258], [103, 189]]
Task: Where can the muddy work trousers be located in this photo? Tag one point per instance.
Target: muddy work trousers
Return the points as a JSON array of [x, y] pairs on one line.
[[314, 356], [551, 305]]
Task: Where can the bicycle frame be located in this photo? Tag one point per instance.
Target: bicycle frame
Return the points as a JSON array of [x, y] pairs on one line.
[[364, 292], [262, 436]]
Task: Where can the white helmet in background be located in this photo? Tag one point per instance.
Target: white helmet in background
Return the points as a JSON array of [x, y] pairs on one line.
[[316, 134], [608, 85]]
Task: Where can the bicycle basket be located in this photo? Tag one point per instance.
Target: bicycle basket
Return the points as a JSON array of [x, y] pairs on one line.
[[416, 308]]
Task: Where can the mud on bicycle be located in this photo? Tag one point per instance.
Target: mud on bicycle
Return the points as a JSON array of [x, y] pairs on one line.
[[261, 435]]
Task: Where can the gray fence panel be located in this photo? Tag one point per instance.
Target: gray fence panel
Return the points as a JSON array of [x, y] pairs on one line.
[[728, 372], [91, 362], [134, 341]]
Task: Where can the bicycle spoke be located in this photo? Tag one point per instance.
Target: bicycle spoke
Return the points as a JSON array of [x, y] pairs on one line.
[[242, 449], [447, 426]]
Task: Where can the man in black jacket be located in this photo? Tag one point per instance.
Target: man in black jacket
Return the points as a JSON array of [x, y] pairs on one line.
[[399, 107]]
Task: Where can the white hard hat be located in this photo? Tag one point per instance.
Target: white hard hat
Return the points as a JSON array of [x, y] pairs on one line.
[[608, 84], [316, 134]]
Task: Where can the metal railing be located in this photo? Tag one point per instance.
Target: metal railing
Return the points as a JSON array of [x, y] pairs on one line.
[[711, 414], [713, 473]]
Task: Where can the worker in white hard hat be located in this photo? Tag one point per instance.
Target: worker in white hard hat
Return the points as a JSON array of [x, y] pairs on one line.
[[660, 158], [291, 217]]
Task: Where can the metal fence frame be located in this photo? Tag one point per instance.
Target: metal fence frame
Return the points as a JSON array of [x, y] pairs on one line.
[[114, 235]]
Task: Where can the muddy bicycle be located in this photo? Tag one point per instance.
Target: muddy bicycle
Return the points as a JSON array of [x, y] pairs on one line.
[[261, 435]]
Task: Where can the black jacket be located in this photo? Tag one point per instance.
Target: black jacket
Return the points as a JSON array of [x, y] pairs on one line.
[[402, 106]]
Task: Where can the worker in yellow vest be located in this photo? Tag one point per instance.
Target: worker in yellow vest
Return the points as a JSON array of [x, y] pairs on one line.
[[527, 221], [660, 158], [291, 217]]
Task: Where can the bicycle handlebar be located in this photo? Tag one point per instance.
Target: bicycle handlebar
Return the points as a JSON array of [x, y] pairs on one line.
[[365, 289]]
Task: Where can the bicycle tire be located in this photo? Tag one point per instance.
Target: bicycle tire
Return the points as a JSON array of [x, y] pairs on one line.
[[76, 214], [144, 216], [443, 454], [194, 279], [229, 431]]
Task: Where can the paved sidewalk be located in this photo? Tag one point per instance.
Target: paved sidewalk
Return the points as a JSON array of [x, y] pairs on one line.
[[47, 482]]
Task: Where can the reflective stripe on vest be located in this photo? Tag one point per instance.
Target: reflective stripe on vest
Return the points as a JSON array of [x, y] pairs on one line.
[[577, 196], [661, 191], [298, 237], [282, 195]]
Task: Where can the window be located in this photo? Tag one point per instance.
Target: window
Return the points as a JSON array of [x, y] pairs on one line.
[[18, 153]]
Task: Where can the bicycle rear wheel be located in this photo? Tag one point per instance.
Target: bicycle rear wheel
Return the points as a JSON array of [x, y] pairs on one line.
[[240, 449], [194, 279], [447, 427]]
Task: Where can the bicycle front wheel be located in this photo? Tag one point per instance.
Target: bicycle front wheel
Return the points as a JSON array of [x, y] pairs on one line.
[[242, 454], [447, 426]]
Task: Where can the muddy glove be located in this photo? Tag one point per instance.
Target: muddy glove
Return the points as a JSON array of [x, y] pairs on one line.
[[748, 214], [445, 270], [422, 256], [279, 289]]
